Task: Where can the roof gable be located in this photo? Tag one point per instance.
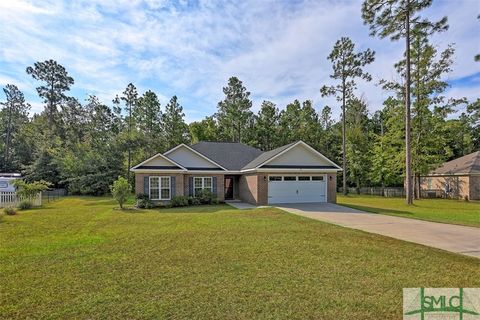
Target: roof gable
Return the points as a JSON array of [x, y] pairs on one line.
[[191, 159], [158, 162], [230, 155], [300, 155], [266, 156], [294, 155]]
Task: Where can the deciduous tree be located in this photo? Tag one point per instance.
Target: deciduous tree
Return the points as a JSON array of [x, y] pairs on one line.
[[205, 130]]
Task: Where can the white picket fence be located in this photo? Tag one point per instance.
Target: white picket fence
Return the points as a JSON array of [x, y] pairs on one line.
[[11, 199]]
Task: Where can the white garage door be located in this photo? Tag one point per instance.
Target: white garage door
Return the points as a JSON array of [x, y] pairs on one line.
[[297, 189]]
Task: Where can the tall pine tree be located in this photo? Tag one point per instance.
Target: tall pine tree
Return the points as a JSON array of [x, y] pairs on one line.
[[347, 65], [13, 117], [174, 126], [234, 115], [395, 19]]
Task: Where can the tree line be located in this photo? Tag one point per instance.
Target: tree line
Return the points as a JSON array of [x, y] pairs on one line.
[[85, 146]]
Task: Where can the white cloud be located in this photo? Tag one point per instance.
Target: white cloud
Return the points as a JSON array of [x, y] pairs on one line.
[[190, 49]]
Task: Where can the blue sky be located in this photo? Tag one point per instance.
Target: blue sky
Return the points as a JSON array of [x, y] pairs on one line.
[[191, 48]]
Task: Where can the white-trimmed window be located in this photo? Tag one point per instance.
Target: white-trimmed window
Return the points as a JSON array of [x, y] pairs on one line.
[[159, 188], [317, 178], [275, 178], [202, 183], [289, 178]]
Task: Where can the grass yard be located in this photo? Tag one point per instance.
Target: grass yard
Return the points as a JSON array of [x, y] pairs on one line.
[[439, 210], [78, 258]]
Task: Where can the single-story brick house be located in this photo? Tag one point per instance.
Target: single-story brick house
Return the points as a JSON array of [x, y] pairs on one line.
[[290, 174], [459, 178]]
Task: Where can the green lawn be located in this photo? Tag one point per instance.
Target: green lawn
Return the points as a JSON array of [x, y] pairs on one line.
[[439, 210], [78, 258]]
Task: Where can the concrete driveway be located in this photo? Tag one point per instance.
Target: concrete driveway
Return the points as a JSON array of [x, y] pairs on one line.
[[454, 238]]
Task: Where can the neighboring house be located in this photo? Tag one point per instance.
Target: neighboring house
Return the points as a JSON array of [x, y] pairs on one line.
[[8, 195], [7, 180], [290, 174], [459, 178]]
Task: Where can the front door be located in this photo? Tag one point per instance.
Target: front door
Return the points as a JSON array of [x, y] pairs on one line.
[[228, 188]]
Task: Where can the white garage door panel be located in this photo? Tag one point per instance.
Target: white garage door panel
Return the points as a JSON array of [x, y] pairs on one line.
[[296, 191]]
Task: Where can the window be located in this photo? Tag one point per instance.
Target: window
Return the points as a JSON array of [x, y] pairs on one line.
[[3, 184], [275, 178], [429, 182], [303, 178], [317, 178], [159, 188], [289, 178], [202, 183]]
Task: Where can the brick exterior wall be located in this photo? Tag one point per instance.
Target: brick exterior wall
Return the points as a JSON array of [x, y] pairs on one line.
[[220, 184], [139, 178], [460, 186], [247, 188], [332, 187], [262, 189], [254, 187], [181, 183], [474, 187], [251, 188]]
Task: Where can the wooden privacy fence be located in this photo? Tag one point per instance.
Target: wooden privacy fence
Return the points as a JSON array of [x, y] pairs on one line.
[[53, 194], [395, 192], [377, 191], [11, 199]]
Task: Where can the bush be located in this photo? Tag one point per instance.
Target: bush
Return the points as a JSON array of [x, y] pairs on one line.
[[179, 201], [10, 211], [144, 202], [193, 201], [25, 205], [27, 190], [120, 190], [206, 197]]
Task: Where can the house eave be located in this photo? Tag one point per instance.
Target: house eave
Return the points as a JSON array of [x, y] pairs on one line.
[[157, 171], [451, 174], [289, 169], [185, 171]]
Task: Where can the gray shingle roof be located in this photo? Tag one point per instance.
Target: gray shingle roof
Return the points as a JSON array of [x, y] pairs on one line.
[[230, 155], [266, 155], [469, 163]]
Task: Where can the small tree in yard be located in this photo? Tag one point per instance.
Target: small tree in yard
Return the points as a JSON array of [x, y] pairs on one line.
[[28, 191], [120, 190]]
